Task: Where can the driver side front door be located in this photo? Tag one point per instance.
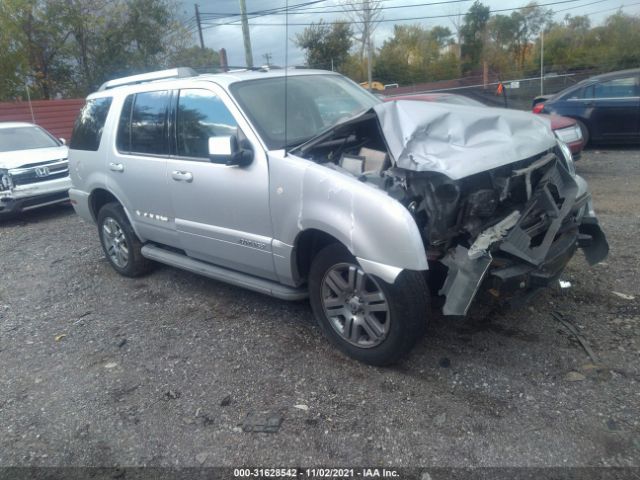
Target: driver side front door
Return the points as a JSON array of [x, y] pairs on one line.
[[221, 212]]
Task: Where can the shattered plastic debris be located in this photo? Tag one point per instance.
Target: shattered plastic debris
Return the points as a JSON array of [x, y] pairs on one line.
[[564, 284], [574, 377], [268, 422], [623, 295], [492, 235]]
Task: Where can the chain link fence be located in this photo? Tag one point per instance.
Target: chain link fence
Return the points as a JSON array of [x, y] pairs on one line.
[[515, 92]]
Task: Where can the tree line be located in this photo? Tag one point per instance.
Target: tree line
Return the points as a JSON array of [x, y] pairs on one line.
[[508, 45], [67, 48]]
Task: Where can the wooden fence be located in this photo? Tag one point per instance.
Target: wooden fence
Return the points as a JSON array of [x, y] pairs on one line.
[[57, 116]]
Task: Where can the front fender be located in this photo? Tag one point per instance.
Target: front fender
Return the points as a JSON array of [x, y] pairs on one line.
[[376, 229]]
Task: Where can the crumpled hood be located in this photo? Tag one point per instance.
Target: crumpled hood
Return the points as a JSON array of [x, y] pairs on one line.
[[460, 140], [18, 158]]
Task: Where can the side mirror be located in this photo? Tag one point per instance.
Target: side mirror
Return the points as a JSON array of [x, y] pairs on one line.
[[62, 141], [226, 150]]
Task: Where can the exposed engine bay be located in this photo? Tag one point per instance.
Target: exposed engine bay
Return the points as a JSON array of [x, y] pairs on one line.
[[513, 227]]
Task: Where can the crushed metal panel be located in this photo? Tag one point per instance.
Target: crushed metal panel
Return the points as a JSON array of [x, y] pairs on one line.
[[464, 279], [492, 235], [460, 140], [518, 241]]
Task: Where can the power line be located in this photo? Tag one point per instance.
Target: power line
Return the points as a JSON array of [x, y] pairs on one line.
[[307, 11], [579, 6], [610, 9], [269, 11], [401, 19]]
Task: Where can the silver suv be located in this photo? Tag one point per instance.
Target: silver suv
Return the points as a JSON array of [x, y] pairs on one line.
[[299, 183]]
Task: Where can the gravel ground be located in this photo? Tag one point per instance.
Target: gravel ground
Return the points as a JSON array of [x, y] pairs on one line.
[[97, 369]]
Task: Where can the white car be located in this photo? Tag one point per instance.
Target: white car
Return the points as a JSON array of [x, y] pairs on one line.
[[34, 171]]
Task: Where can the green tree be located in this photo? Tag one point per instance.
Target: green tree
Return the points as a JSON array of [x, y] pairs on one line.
[[325, 45], [415, 54], [473, 33], [194, 57], [70, 47]]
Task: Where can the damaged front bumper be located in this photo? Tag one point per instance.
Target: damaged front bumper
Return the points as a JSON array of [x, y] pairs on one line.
[[527, 249], [27, 197]]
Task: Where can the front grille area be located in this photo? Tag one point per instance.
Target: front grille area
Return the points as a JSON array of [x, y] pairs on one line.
[[548, 214], [40, 172]]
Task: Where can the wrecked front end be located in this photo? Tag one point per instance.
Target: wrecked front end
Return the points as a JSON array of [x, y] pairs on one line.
[[514, 228], [494, 194]]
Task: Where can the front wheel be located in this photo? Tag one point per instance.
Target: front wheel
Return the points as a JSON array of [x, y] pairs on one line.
[[368, 319]]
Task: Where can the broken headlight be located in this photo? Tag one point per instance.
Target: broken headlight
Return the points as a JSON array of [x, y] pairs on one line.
[[568, 158], [5, 180]]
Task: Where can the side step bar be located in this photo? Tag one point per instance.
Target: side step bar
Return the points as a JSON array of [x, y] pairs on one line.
[[232, 277]]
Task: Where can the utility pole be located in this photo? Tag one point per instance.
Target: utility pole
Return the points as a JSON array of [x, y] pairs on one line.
[[245, 34], [199, 26], [542, 61], [368, 40]]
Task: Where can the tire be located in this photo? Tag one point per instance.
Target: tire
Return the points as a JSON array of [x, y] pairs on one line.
[[392, 333], [584, 130], [120, 244]]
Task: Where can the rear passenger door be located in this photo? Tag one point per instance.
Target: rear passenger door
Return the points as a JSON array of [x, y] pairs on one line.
[[616, 108], [138, 166], [222, 212]]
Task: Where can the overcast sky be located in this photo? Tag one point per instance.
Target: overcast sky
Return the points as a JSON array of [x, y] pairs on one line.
[[268, 33]]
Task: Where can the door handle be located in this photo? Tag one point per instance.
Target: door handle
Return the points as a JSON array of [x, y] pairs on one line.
[[116, 167], [182, 176]]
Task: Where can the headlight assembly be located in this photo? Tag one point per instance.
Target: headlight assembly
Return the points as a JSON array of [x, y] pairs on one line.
[[5, 180]]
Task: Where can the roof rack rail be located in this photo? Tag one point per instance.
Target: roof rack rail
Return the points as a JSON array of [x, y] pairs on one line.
[[180, 72]]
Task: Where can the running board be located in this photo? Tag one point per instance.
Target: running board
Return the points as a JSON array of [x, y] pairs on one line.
[[225, 275]]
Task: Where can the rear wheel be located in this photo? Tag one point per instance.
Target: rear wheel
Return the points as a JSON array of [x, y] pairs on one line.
[[119, 242], [365, 317]]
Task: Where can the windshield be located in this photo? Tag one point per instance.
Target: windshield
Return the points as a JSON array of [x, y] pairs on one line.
[[314, 104], [25, 138]]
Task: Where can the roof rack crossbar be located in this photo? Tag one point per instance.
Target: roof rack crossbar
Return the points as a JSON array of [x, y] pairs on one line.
[[180, 72]]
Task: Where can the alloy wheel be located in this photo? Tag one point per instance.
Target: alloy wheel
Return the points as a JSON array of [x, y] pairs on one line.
[[115, 242], [355, 305]]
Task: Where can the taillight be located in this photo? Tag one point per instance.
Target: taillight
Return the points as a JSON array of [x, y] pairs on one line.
[[537, 108]]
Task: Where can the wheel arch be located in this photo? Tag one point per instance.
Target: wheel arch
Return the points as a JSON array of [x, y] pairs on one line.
[[99, 197], [305, 247]]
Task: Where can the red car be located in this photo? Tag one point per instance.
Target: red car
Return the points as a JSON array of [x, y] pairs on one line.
[[566, 129]]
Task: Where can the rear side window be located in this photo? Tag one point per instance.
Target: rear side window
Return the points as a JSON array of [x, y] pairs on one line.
[[616, 88], [201, 114], [89, 125], [123, 137], [143, 124]]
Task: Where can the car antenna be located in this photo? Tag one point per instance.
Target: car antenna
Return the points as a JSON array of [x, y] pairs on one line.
[[286, 68]]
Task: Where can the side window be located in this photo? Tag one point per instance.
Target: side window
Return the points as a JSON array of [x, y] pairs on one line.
[[149, 123], [617, 88], [87, 130], [201, 114], [123, 137], [587, 92]]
